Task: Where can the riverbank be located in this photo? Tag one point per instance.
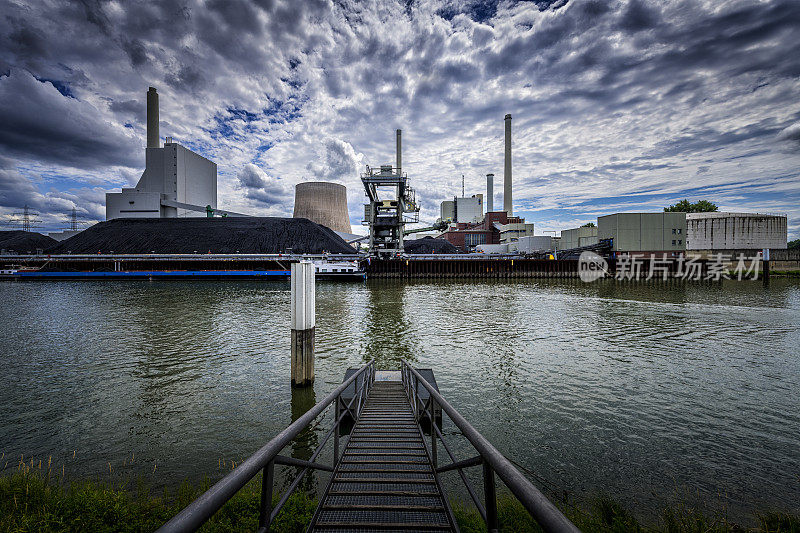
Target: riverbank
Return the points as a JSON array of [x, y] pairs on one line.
[[33, 499]]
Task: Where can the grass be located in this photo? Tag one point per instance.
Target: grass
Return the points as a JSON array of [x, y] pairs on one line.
[[787, 273], [605, 515], [32, 499]]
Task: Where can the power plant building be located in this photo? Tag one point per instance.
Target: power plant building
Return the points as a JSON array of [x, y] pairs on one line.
[[323, 202], [579, 237], [513, 231], [467, 210], [534, 243], [176, 182], [643, 232], [495, 227], [735, 231], [447, 211]]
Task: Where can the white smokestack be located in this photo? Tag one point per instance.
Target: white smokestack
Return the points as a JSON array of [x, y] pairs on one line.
[[507, 200]]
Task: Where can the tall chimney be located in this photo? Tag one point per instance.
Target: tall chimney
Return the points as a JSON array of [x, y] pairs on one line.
[[507, 201], [489, 192], [153, 138], [399, 154]]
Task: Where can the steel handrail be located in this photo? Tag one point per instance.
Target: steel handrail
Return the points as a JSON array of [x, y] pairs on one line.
[[196, 513], [547, 515]]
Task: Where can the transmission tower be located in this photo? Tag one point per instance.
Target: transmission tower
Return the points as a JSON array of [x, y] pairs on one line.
[[27, 219], [73, 220]]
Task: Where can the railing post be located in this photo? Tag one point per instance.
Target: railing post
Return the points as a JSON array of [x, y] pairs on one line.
[[490, 496], [414, 390], [434, 455], [336, 432], [266, 496]]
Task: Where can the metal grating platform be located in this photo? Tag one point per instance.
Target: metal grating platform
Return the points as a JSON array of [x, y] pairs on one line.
[[384, 480]]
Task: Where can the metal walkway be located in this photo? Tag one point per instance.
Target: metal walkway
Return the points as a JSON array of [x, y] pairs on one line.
[[385, 479]]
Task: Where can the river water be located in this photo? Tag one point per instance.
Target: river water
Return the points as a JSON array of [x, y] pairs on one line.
[[650, 393]]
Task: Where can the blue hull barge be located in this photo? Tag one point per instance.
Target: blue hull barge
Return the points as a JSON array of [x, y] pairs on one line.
[[175, 266]]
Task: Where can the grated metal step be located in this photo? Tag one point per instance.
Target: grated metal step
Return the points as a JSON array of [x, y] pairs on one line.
[[384, 480]]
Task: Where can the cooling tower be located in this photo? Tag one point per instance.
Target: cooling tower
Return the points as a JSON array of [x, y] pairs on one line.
[[324, 203]]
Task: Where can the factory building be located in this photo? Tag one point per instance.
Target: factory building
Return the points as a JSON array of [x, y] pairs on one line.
[[176, 181], [469, 236], [513, 231], [493, 228], [534, 243], [324, 203], [735, 231], [579, 237], [644, 232], [467, 210]]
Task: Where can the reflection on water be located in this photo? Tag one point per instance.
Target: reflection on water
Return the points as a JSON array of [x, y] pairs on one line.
[[387, 331], [303, 446], [651, 393]]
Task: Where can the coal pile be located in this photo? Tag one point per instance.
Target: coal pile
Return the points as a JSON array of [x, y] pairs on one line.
[[25, 242], [228, 235], [429, 245]]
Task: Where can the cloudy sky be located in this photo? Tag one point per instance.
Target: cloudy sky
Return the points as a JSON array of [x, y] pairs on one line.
[[618, 105]]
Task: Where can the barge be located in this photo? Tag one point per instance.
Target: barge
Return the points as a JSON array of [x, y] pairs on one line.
[[177, 266]]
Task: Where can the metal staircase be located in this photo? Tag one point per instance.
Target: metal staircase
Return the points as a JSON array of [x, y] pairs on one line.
[[385, 478]]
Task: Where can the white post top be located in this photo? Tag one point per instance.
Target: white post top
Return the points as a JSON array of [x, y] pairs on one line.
[[303, 295]]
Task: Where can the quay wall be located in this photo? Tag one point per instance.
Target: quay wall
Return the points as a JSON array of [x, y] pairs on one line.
[[471, 268]]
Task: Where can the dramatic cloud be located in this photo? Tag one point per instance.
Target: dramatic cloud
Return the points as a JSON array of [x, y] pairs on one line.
[[265, 190], [340, 162], [617, 104], [41, 123]]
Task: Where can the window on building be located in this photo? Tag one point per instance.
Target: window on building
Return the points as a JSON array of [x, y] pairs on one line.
[[673, 231], [474, 239], [673, 242], [680, 242], [679, 231]]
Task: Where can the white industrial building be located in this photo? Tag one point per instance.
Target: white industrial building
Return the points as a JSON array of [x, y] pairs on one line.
[[176, 181], [513, 231], [466, 209], [533, 243], [735, 231], [578, 237], [643, 232]]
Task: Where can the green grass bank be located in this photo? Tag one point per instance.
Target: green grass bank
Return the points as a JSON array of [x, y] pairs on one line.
[[32, 500]]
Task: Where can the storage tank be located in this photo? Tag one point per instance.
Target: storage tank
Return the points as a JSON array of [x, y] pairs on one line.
[[324, 203]]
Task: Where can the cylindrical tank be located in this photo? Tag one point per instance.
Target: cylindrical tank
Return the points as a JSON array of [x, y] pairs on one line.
[[324, 203]]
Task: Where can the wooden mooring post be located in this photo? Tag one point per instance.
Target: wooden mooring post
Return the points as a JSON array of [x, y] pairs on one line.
[[303, 322]]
